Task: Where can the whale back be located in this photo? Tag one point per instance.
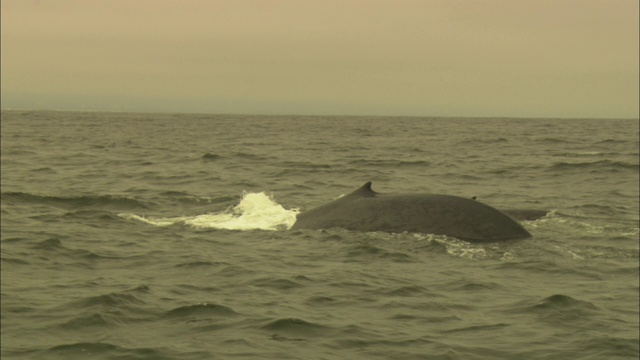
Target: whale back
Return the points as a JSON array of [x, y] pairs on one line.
[[366, 210]]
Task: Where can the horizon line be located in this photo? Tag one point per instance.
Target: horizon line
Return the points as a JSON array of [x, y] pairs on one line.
[[311, 115]]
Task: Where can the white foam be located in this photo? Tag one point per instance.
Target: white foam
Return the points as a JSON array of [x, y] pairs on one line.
[[256, 211], [465, 249], [456, 247], [594, 226]]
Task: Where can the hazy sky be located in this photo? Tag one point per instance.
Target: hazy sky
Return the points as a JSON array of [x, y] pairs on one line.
[[521, 58]]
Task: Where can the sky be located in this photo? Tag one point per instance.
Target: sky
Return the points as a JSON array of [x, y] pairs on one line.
[[471, 58]]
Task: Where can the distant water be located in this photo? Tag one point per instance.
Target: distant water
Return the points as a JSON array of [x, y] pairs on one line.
[[162, 236]]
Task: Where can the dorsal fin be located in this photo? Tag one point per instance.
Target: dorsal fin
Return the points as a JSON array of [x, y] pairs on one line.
[[365, 190]]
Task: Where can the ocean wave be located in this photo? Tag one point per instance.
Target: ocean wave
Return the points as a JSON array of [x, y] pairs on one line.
[[560, 302], [584, 154], [611, 141], [478, 328], [248, 156], [299, 165], [108, 310], [112, 300], [390, 163], [363, 252], [296, 327], [11, 260], [404, 247], [104, 350], [49, 244], [321, 300], [44, 170], [86, 348], [196, 264], [408, 291], [186, 198], [54, 245], [554, 140], [210, 157], [87, 321], [99, 215], [104, 202], [403, 347], [609, 347], [477, 286], [587, 251], [200, 310], [595, 166], [612, 228], [488, 140], [276, 284], [559, 309]]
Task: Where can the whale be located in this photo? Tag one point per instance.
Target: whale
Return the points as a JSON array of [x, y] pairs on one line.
[[463, 218]]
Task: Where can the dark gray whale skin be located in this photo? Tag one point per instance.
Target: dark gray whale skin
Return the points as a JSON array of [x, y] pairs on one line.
[[367, 210]]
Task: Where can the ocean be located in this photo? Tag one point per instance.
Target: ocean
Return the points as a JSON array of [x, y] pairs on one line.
[[165, 236]]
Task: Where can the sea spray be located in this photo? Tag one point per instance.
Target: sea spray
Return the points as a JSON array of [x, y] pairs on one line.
[[256, 211]]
